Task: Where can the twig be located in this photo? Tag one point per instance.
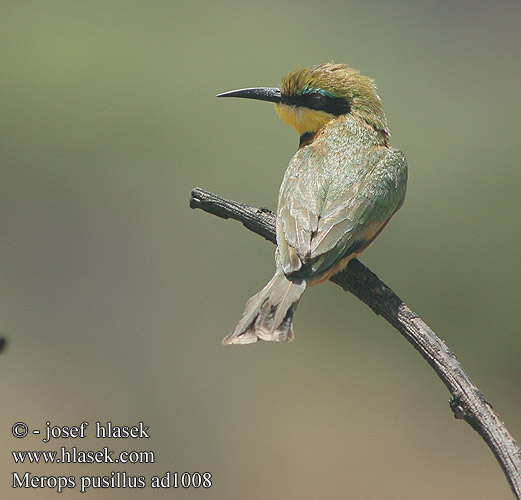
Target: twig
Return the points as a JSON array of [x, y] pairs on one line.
[[467, 401]]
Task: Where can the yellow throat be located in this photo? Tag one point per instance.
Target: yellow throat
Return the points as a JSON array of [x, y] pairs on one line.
[[302, 119]]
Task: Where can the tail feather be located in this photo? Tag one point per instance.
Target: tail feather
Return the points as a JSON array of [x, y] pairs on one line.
[[268, 315]]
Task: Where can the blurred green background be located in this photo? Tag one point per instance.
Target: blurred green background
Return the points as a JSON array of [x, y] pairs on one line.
[[115, 295]]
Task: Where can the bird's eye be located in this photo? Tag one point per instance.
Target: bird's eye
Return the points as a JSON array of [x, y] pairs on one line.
[[320, 102], [316, 98]]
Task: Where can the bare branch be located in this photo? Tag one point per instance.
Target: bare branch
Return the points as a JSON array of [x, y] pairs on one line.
[[467, 401]]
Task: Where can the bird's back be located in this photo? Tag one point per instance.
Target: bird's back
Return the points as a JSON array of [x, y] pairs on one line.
[[336, 195]]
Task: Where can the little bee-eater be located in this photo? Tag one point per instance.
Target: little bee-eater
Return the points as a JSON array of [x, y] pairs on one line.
[[340, 190]]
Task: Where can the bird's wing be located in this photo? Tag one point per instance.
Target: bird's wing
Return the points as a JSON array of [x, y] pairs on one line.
[[331, 207]]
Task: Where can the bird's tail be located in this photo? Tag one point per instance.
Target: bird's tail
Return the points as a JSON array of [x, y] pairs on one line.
[[268, 315]]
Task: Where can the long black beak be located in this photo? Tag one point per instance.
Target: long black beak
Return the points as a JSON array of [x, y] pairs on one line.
[[271, 94]]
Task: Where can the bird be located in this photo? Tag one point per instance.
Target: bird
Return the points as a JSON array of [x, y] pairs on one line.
[[340, 189]]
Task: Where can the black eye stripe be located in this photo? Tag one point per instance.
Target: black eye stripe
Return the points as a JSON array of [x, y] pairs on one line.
[[334, 105]]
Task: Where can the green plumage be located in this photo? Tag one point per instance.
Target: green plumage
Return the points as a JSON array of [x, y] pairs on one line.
[[333, 190], [339, 191]]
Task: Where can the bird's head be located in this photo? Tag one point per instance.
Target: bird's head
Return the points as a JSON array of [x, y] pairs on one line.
[[309, 98]]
